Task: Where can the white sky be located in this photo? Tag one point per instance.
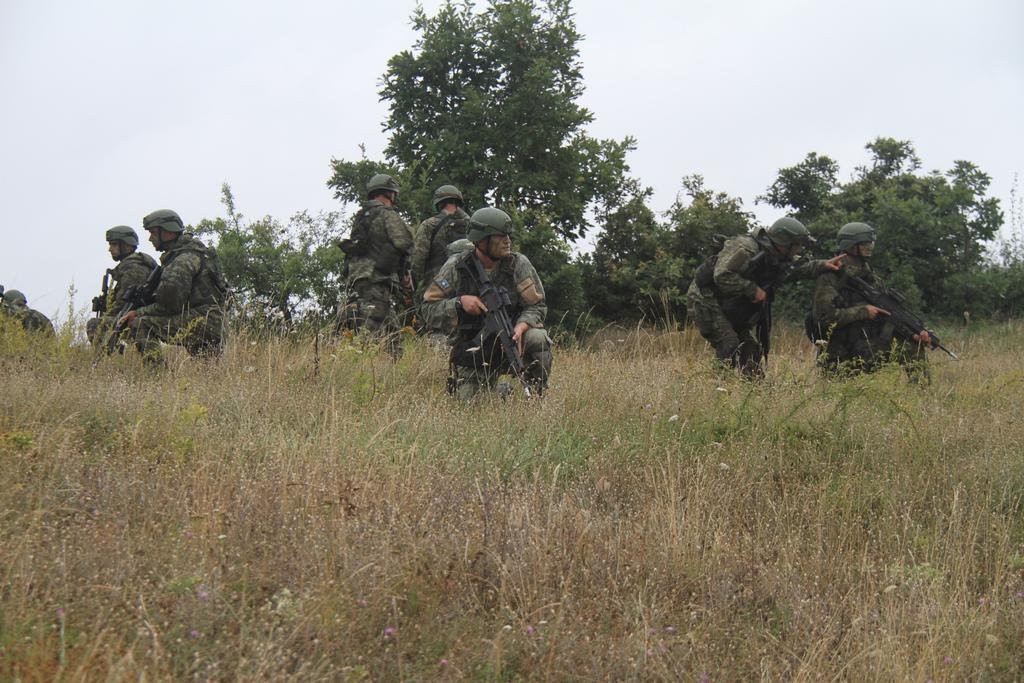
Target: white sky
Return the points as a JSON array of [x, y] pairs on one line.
[[114, 108]]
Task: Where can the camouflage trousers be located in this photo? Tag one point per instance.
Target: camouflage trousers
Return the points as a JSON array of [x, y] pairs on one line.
[[373, 306], [94, 329], [200, 332], [737, 349], [97, 329], [466, 382]]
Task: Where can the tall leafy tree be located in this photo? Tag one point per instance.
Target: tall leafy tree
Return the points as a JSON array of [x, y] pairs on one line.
[[641, 267], [932, 227], [488, 100]]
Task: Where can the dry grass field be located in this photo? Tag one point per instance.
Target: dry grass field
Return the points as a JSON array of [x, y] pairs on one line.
[[260, 518]]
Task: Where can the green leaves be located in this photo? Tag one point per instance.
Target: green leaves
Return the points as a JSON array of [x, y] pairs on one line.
[[487, 101], [932, 228], [277, 269]]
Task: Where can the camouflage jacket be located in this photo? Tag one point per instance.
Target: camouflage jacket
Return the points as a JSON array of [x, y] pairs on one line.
[[191, 282], [456, 278], [732, 281], [31, 319], [389, 237], [841, 314], [132, 270], [834, 304], [430, 249]]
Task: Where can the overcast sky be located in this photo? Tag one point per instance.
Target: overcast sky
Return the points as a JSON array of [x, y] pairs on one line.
[[115, 108]]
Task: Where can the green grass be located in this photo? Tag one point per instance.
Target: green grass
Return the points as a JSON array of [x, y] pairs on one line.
[[649, 519]]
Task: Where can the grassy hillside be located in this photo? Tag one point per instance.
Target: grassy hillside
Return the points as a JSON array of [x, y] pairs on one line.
[[259, 518]]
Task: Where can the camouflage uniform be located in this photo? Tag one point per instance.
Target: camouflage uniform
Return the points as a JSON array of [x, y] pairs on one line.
[[373, 281], [430, 248], [15, 305], [852, 341], [430, 251], [132, 270], [189, 302], [441, 309], [723, 306]]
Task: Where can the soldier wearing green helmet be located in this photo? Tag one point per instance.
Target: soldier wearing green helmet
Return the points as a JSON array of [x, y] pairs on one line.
[[376, 254], [731, 292], [851, 334], [133, 268], [433, 237], [452, 302], [189, 300], [15, 307]]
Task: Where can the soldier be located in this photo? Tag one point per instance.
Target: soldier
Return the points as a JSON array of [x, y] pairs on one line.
[[430, 248], [133, 269], [433, 237], [376, 252], [452, 300], [854, 335], [15, 305], [188, 307], [731, 292]]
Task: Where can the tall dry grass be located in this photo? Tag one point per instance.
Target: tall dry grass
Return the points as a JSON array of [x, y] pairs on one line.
[[258, 518]]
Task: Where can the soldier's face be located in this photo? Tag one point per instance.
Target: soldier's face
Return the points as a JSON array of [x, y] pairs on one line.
[[791, 252], [160, 238], [499, 246], [866, 249], [115, 250]]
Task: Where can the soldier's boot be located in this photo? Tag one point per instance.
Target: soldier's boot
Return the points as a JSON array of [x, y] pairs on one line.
[[749, 359], [438, 341], [538, 372]]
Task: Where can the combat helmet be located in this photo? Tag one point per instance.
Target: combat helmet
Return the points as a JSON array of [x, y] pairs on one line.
[[15, 299], [852, 234], [379, 182], [486, 222], [164, 218], [122, 233], [788, 231], [447, 193]]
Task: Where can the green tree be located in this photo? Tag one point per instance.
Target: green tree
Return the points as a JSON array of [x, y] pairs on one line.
[[276, 271], [619, 275], [806, 187], [932, 227], [641, 268], [488, 101], [697, 215]]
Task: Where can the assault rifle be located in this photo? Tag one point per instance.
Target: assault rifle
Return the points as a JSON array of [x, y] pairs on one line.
[[497, 321], [407, 285], [135, 297], [99, 303], [762, 317], [905, 322]]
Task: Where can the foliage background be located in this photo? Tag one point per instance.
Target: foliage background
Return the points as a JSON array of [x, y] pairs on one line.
[[488, 99]]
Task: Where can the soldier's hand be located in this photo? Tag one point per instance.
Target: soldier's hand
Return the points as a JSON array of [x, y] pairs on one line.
[[875, 311], [472, 305], [836, 263], [759, 296], [128, 318], [518, 332], [923, 337]]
